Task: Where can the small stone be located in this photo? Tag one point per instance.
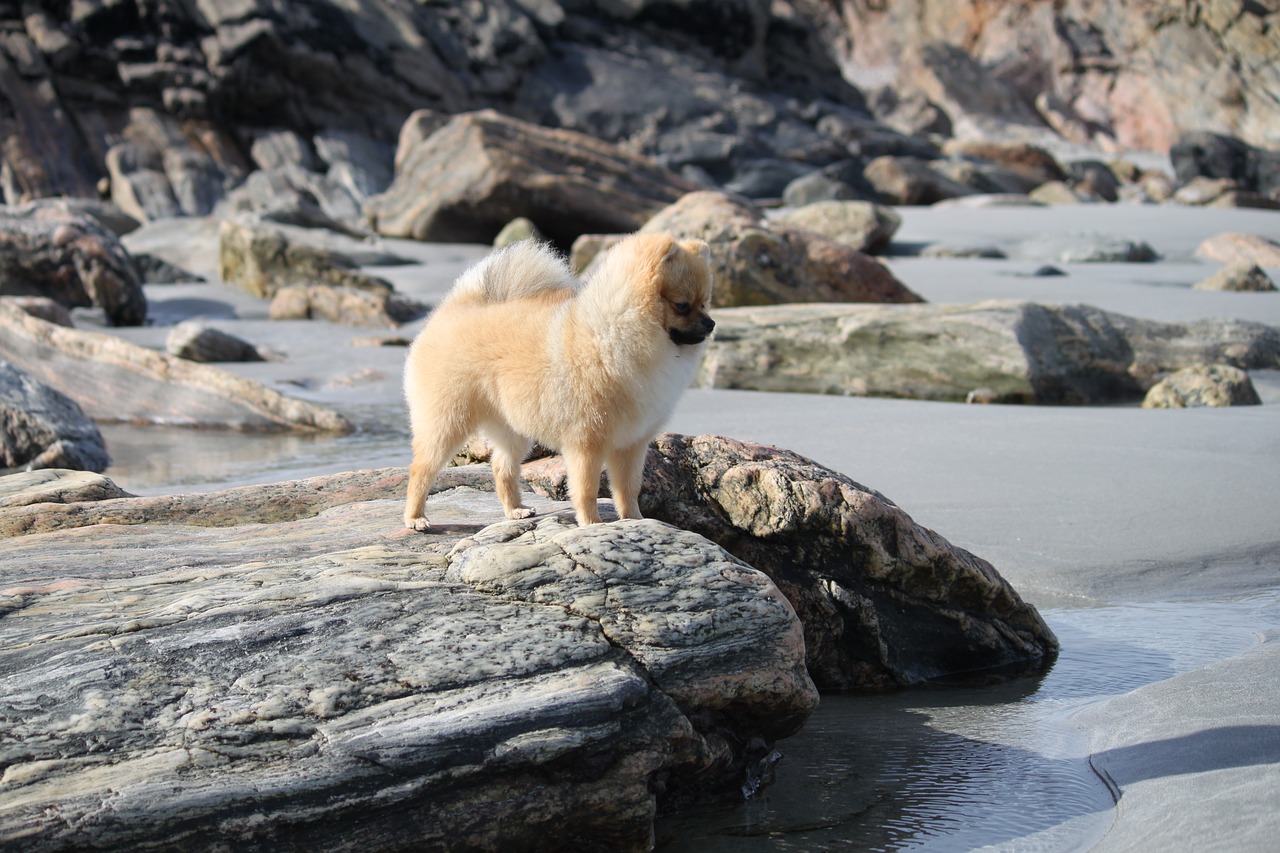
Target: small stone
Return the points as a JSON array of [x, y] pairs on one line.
[[1046, 271], [1203, 385], [196, 341], [961, 250], [983, 396], [1240, 277]]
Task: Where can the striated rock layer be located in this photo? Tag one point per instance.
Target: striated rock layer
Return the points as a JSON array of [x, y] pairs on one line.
[[329, 680]]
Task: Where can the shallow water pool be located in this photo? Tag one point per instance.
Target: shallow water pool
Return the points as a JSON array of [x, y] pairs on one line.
[[949, 768]]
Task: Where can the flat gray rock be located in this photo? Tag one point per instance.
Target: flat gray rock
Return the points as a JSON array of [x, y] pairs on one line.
[[194, 675], [115, 380], [1083, 248], [1022, 351]]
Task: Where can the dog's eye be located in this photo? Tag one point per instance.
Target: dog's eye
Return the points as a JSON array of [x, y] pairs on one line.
[[681, 308]]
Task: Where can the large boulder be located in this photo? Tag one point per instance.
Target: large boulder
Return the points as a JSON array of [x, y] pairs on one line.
[[56, 251], [884, 601], [471, 177], [1019, 352], [311, 682], [260, 257], [114, 380], [758, 262], [41, 428]]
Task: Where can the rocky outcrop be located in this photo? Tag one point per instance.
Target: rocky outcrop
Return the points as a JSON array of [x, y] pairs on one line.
[[40, 428], [1127, 72], [759, 262], [114, 380], [1016, 352], [481, 170], [53, 251], [328, 680], [884, 601], [260, 257], [170, 106], [172, 109], [1203, 385]]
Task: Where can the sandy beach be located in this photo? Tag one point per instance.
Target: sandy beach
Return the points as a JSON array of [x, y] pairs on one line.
[[1085, 510]]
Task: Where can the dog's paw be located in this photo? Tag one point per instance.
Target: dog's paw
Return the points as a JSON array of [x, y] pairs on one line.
[[520, 512], [419, 524]]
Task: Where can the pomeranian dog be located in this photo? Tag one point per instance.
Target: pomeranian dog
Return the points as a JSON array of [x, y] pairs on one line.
[[521, 351]]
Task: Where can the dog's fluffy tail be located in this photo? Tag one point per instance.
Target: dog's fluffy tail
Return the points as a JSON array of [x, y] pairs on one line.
[[514, 272]]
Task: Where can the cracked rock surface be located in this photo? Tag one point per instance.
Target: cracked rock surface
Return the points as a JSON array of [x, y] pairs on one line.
[[284, 667]]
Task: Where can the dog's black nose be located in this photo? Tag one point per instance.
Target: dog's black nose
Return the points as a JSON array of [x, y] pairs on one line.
[[708, 324]]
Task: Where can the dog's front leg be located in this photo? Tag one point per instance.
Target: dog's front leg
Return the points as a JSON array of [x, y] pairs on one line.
[[626, 472], [584, 466]]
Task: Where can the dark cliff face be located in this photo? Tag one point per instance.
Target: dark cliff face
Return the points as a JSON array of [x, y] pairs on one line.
[[208, 78], [745, 95]]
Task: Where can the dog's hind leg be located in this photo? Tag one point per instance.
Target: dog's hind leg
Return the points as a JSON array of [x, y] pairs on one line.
[[434, 444], [626, 472], [509, 451]]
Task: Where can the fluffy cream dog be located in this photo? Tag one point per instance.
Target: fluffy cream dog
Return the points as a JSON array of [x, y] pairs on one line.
[[521, 351]]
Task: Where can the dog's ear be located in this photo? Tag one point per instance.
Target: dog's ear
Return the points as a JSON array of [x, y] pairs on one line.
[[697, 247], [672, 251]]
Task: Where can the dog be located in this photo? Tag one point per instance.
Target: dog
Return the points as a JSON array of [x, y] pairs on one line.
[[521, 350]]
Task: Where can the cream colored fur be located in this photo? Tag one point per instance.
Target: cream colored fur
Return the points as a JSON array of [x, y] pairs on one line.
[[522, 351]]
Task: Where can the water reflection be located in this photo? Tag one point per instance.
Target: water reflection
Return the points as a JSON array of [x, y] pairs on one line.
[[973, 768], [150, 460]]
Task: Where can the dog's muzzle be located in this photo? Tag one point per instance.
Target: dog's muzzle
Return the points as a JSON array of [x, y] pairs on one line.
[[696, 335]]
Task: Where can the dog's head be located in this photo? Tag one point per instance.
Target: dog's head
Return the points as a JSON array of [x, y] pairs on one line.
[[683, 290]]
